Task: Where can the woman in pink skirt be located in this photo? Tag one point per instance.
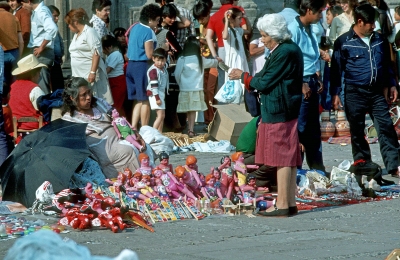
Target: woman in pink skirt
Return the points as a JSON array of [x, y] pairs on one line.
[[280, 84]]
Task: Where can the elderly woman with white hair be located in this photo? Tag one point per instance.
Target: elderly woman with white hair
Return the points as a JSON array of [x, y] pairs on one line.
[[280, 84]]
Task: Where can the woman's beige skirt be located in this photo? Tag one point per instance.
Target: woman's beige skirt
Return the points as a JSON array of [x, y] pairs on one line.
[[191, 101]]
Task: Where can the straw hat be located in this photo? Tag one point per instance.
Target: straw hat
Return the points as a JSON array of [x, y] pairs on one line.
[[26, 64]]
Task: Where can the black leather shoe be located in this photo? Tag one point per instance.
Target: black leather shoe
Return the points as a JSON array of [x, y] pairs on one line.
[[293, 211], [282, 213]]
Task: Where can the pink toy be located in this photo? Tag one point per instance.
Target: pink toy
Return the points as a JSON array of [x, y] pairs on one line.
[[164, 165], [145, 168], [227, 183], [145, 188], [210, 191], [161, 189], [172, 185], [121, 180], [128, 174], [225, 163], [190, 178], [191, 166], [126, 131], [241, 168], [132, 189]]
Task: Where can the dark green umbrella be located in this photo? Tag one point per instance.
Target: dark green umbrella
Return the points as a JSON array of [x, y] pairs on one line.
[[52, 153]]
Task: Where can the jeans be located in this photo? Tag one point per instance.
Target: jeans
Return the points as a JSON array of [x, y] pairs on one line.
[[4, 150], [325, 97], [10, 62], [359, 101], [309, 128]]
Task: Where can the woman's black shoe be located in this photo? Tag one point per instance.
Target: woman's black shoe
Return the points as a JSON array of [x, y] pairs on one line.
[[293, 211], [275, 213]]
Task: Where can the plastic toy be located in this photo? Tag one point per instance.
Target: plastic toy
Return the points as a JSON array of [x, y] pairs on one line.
[[241, 168], [126, 131], [173, 186], [145, 168], [190, 178], [131, 188], [121, 180], [111, 219], [210, 191], [164, 165]]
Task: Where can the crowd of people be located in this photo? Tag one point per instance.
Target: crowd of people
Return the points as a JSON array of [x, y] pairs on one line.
[[313, 54]]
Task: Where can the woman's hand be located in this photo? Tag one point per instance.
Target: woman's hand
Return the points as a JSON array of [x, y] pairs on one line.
[[92, 77], [235, 74], [228, 14]]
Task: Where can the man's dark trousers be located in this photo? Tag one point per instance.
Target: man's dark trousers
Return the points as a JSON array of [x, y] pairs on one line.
[[360, 100]]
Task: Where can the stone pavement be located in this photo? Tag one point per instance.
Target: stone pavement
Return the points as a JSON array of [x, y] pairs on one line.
[[362, 231]]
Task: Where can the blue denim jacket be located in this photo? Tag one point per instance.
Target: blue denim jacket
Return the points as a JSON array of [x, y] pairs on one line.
[[363, 65]]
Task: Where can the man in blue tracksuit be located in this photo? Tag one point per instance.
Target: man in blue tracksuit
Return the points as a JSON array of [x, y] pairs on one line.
[[308, 121], [370, 86]]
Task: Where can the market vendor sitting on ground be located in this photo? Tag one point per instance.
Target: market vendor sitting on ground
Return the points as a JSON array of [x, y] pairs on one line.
[[265, 175], [112, 154]]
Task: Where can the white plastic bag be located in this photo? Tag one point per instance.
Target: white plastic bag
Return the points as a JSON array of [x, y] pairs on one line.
[[338, 175], [156, 140], [230, 92]]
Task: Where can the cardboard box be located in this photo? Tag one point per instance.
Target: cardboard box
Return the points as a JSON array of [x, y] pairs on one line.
[[228, 122]]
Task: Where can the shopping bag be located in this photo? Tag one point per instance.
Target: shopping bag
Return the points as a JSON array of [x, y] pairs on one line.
[[230, 92]]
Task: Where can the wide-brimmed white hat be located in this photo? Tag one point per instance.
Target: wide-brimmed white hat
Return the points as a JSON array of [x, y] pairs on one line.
[[26, 64]]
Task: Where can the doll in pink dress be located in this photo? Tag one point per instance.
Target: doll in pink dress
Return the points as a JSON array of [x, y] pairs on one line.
[[172, 185], [126, 131], [164, 165], [145, 168], [190, 178], [191, 166], [210, 191]]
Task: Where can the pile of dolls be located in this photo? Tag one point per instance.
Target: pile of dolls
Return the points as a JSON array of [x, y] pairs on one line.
[[115, 206], [226, 181]]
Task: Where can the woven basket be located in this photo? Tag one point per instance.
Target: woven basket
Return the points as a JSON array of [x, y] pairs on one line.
[[184, 140]]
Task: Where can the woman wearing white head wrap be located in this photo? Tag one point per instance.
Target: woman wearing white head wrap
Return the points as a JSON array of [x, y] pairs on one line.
[[280, 83]]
